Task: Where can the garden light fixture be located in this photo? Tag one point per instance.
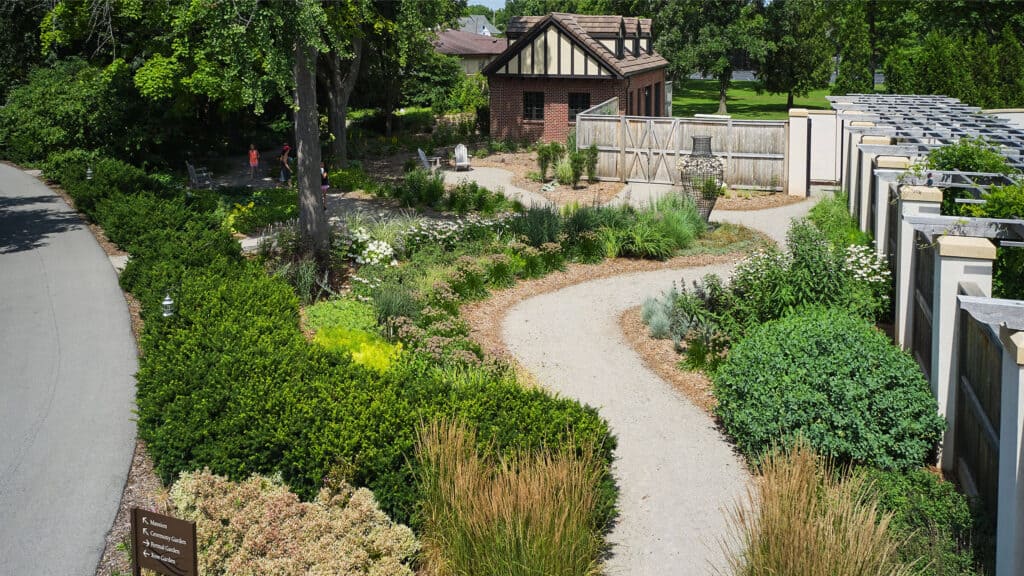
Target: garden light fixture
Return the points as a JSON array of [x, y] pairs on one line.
[[168, 305], [88, 173]]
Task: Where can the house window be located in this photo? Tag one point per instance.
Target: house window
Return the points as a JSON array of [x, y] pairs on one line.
[[533, 105], [578, 102]]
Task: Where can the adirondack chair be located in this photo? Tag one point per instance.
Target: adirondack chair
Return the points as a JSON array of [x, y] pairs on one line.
[[461, 157], [198, 176], [430, 163]]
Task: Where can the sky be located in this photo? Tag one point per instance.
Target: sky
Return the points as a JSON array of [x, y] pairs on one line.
[[492, 4]]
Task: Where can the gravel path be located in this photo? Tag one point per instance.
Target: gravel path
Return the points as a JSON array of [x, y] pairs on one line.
[[677, 473], [493, 179]]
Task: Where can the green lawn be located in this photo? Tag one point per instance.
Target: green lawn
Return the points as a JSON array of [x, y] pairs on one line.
[[701, 97]]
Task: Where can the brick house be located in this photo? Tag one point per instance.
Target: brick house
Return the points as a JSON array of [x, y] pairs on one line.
[[561, 64], [474, 51]]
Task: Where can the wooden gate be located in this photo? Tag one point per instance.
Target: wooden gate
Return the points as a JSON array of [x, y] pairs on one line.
[[647, 148], [921, 302]]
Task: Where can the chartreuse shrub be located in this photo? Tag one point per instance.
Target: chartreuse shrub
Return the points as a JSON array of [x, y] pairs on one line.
[[804, 517], [341, 531], [932, 520], [830, 377], [254, 210], [523, 514], [350, 327]]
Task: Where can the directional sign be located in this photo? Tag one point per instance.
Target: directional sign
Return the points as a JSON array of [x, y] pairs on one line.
[[163, 544]]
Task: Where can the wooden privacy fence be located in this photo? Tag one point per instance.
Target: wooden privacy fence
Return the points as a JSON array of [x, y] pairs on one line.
[[646, 149], [978, 411], [924, 290]]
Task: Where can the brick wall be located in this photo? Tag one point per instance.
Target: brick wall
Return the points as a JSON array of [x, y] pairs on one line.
[[507, 102]]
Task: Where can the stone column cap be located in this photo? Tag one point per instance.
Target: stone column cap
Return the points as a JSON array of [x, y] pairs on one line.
[[898, 162], [1013, 342], [966, 247], [798, 112], [874, 139], [862, 123], [920, 193]]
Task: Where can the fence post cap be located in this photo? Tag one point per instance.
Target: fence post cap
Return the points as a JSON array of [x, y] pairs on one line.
[[966, 247], [921, 193], [794, 112], [1013, 342], [898, 162], [875, 139], [861, 124]]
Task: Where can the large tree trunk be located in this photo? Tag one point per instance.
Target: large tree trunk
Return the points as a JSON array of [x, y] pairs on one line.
[[312, 220], [723, 87], [789, 100], [339, 88]]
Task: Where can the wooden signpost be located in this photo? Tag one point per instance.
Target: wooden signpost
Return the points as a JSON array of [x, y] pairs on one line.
[[163, 544]]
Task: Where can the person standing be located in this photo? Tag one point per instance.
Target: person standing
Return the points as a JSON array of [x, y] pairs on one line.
[[254, 161], [325, 184], [286, 169]]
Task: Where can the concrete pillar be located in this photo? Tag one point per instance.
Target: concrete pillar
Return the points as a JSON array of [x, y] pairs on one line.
[[1010, 524], [850, 167], [798, 167], [865, 179], [913, 200], [887, 171], [957, 259]]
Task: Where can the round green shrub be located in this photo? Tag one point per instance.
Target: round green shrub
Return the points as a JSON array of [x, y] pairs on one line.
[[832, 378], [931, 519]]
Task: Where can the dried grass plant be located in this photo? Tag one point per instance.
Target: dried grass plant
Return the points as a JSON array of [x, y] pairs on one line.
[[529, 515], [805, 519]]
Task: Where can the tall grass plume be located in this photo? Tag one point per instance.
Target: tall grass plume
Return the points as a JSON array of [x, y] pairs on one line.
[[528, 515], [804, 518]]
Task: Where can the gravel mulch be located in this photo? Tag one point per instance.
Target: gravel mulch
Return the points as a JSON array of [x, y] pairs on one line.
[[522, 163], [485, 317], [660, 356]]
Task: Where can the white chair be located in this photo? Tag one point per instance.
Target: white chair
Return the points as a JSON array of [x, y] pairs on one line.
[[430, 163], [461, 157]]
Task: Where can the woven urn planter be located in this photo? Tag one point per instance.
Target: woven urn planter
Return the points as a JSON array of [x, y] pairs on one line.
[[701, 176]]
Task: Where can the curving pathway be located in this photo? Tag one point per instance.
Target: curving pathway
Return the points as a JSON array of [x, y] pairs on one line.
[[66, 387], [677, 474]]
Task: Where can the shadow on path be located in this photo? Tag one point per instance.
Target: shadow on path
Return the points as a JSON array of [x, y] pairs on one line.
[[25, 224]]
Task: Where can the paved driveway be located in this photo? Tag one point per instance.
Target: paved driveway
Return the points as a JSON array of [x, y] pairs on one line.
[[67, 360]]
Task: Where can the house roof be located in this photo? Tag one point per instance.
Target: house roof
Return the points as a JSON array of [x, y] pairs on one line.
[[459, 43], [596, 26], [478, 24], [583, 30]]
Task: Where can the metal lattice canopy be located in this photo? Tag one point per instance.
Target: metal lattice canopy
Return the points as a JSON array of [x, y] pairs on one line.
[[932, 121]]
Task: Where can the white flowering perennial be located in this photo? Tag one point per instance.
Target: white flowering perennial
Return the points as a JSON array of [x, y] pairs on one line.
[[367, 251], [865, 265]]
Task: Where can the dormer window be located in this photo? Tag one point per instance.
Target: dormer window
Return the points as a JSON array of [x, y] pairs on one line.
[[636, 47], [618, 47]]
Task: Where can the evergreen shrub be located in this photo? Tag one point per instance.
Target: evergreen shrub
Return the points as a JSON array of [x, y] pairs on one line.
[[831, 377]]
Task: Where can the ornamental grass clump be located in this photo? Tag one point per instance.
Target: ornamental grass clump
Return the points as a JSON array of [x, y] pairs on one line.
[[258, 527], [806, 518], [528, 515]]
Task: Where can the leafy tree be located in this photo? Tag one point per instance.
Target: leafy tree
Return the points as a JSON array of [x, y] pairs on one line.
[[853, 47], [710, 37], [1009, 80], [479, 10], [797, 59], [19, 43]]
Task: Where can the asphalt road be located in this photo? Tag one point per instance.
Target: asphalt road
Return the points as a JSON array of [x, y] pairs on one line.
[[67, 390]]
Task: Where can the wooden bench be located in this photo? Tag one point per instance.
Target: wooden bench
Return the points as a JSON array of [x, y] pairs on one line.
[[198, 176]]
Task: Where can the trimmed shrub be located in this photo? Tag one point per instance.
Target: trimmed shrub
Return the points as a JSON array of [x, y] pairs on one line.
[[259, 527], [930, 517], [342, 313], [832, 378], [126, 218]]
